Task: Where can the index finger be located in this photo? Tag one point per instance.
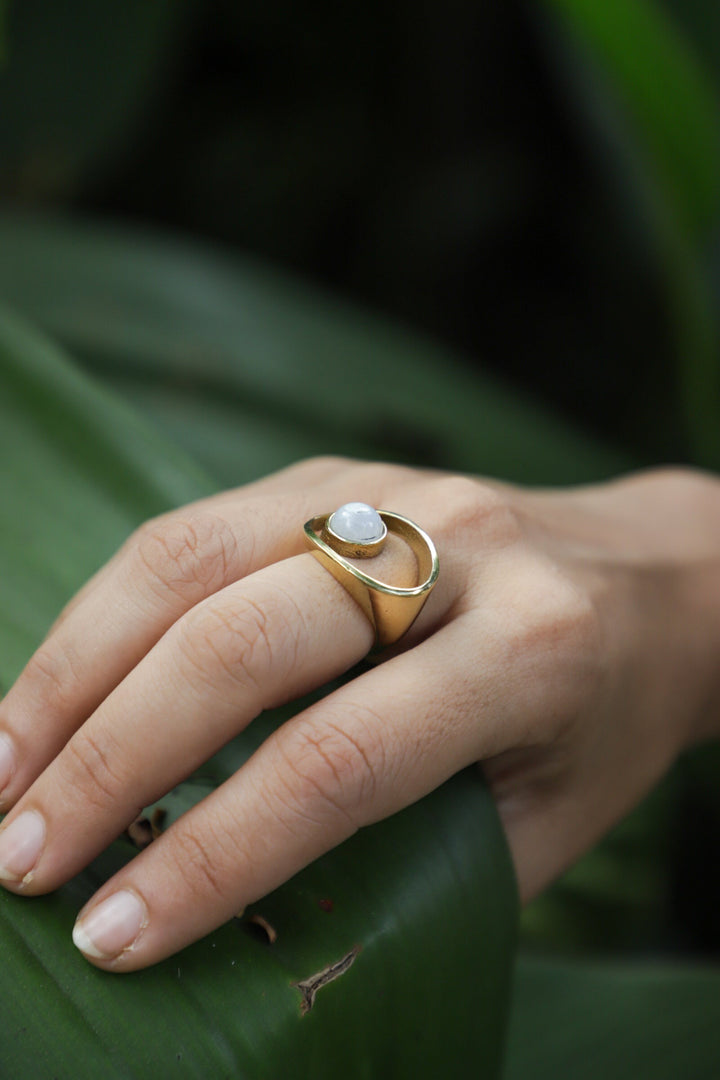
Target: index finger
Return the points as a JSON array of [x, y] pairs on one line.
[[168, 566], [342, 764]]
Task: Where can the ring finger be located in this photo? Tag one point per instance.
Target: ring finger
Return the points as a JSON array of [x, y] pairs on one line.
[[256, 644], [169, 565]]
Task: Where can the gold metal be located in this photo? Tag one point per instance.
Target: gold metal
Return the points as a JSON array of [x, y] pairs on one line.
[[390, 609]]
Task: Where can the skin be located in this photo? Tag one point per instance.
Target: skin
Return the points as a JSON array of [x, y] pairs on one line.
[[571, 646]]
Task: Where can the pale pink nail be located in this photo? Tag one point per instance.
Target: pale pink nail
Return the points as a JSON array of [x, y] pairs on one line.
[[20, 845], [7, 761], [111, 926]]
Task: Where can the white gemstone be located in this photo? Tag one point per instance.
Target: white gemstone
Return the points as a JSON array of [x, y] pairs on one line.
[[357, 522]]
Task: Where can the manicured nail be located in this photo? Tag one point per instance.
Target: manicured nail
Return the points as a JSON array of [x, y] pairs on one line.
[[111, 927], [7, 761], [20, 845]]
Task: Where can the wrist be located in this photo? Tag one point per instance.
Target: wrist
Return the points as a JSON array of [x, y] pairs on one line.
[[647, 548], [679, 587], [701, 594]]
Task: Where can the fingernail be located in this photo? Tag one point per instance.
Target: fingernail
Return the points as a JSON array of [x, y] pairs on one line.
[[111, 927], [20, 845], [7, 761]]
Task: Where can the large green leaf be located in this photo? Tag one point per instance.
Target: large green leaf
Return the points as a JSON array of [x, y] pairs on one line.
[[252, 369], [592, 1021], [424, 903]]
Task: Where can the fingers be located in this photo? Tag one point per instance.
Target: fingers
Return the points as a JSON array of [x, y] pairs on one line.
[[283, 631], [367, 750], [167, 567], [259, 642], [179, 661]]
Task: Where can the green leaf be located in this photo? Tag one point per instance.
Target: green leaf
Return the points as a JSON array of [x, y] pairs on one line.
[[592, 1021], [251, 369], [671, 99], [619, 895], [700, 21], [422, 906], [657, 110]]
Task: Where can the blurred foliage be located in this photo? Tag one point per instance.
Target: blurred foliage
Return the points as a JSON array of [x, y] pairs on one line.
[[536, 185], [596, 1020], [76, 79], [670, 100], [660, 116], [251, 370], [468, 168]]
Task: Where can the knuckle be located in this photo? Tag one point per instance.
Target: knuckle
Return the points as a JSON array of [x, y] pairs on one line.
[[370, 479], [551, 611], [52, 674], [89, 767], [327, 462], [335, 769], [689, 491], [554, 640], [191, 556], [469, 506], [567, 615], [236, 639], [201, 861], [381, 481], [319, 467]]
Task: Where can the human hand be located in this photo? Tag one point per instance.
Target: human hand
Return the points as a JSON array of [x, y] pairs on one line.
[[570, 646]]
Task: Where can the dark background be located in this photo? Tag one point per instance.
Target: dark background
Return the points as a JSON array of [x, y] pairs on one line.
[[458, 166]]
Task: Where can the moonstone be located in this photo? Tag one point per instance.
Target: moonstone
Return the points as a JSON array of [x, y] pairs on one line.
[[357, 522]]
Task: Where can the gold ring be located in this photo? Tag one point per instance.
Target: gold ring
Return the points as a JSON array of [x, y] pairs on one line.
[[358, 531]]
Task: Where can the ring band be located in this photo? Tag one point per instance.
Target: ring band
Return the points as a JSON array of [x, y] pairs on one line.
[[390, 609]]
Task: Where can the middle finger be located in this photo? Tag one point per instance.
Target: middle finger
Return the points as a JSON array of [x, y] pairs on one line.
[[163, 570], [259, 642]]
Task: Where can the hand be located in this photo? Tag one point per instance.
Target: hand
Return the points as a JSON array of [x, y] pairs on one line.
[[570, 645]]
